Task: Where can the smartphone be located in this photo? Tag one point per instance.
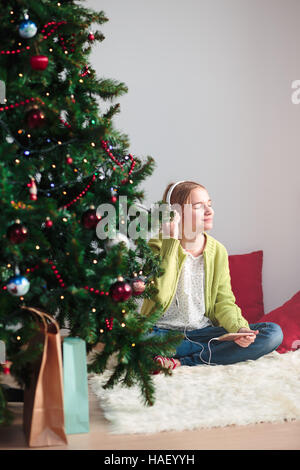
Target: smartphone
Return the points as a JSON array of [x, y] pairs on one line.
[[233, 336]]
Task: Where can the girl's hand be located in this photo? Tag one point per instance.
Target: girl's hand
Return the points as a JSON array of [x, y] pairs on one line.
[[172, 228], [245, 341]]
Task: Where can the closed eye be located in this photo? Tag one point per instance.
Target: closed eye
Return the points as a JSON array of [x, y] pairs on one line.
[[199, 205]]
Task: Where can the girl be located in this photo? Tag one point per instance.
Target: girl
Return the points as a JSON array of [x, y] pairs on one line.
[[195, 289]]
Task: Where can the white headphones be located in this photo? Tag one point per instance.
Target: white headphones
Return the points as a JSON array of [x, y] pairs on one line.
[[168, 197]]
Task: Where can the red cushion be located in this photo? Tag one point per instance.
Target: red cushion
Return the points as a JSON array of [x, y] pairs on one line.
[[288, 317], [246, 284]]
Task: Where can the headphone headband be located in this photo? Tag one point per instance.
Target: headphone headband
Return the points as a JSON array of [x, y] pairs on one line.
[[168, 197]]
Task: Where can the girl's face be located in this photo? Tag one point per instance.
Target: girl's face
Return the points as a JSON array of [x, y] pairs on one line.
[[197, 213]]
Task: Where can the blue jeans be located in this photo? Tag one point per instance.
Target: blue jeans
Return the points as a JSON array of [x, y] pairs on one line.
[[203, 351]]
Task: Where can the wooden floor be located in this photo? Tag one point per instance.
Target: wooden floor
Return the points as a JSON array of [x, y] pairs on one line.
[[260, 436]]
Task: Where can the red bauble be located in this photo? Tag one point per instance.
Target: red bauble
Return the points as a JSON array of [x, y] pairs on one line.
[[91, 37], [39, 62], [90, 219], [121, 290], [138, 286], [48, 223], [114, 199], [35, 118], [17, 233], [69, 160]]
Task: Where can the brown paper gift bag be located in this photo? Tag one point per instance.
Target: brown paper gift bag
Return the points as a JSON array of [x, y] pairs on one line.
[[43, 415]]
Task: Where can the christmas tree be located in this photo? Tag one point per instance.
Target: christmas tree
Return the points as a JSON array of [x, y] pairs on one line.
[[62, 159]]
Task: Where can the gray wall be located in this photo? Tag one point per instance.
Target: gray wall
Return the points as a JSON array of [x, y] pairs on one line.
[[210, 99]]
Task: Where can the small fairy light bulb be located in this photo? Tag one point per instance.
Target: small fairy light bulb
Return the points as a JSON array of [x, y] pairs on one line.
[[62, 297], [101, 331], [95, 261], [123, 325], [18, 338], [133, 345], [93, 310], [37, 247], [93, 144]]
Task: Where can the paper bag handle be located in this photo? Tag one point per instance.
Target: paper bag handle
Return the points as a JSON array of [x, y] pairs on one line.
[[42, 315]]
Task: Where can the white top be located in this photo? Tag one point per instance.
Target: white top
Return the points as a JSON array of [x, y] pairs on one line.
[[190, 293]]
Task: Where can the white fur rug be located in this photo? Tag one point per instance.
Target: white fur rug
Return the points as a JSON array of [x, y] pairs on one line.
[[265, 390]]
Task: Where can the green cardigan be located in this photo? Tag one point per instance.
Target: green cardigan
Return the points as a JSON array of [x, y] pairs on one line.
[[220, 304]]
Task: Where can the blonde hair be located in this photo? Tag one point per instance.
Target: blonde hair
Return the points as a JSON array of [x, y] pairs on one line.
[[181, 192]]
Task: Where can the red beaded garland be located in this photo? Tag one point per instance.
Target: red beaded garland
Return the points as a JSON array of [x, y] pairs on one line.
[[62, 43], [21, 103], [56, 25], [66, 124], [95, 291], [83, 192], [104, 145], [109, 323], [56, 272], [85, 71]]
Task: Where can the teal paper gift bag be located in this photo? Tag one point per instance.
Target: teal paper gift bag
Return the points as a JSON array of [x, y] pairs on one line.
[[76, 403]]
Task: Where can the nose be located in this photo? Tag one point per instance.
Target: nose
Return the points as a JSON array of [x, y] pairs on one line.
[[208, 209], [208, 212]]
